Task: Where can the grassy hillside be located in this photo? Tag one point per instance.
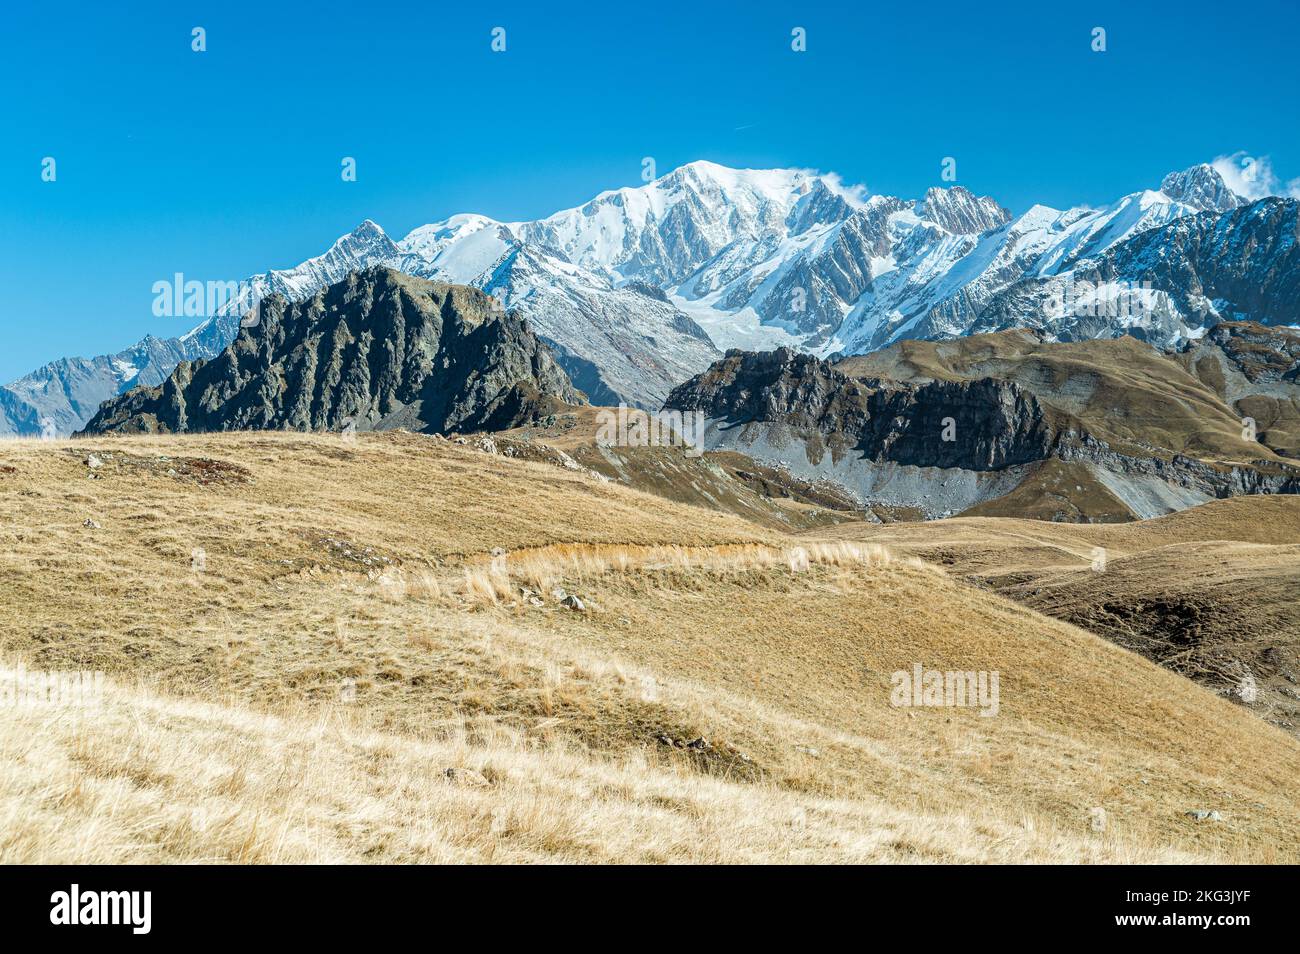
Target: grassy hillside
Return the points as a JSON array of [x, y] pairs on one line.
[[717, 480], [1140, 401], [1209, 592], [304, 634]]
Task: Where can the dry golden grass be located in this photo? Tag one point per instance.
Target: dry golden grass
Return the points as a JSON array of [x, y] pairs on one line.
[[1209, 592], [296, 691], [973, 544], [540, 571], [145, 779]]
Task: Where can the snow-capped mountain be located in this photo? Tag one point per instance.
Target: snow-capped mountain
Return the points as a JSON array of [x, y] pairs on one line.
[[1169, 284], [619, 340], [1202, 188], [666, 231], [637, 289]]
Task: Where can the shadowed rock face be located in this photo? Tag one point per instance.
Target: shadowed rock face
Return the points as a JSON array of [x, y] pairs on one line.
[[1076, 430], [978, 425], [378, 350]]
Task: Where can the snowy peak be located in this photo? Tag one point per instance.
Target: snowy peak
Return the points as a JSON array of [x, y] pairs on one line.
[[822, 204], [778, 186], [459, 250], [366, 240], [1202, 188], [961, 212], [365, 245], [664, 231], [428, 241], [799, 197]]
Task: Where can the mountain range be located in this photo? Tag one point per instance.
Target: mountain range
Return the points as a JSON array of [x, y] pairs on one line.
[[640, 288]]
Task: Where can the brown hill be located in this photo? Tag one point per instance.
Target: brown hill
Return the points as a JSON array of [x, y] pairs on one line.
[[1208, 592], [307, 633]]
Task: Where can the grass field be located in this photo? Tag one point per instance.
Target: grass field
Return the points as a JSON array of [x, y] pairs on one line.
[[329, 650], [1208, 592]]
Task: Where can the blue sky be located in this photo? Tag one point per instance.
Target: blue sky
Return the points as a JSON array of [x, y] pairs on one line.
[[225, 163]]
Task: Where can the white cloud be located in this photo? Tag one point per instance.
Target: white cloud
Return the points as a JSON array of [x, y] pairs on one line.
[[1252, 176]]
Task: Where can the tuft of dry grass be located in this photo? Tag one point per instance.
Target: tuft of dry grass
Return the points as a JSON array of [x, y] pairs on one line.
[[540, 572]]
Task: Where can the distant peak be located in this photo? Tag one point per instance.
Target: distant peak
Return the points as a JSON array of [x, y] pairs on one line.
[[960, 211], [1202, 188], [704, 166], [704, 171], [365, 236], [941, 192], [368, 231]]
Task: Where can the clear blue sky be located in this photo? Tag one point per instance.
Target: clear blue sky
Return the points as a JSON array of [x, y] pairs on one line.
[[225, 163]]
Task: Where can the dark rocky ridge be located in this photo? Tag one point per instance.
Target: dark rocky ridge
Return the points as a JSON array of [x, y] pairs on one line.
[[378, 350], [994, 424], [1154, 431]]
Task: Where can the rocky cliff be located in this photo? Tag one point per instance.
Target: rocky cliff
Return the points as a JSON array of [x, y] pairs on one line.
[[378, 350], [978, 425], [939, 427], [1256, 370]]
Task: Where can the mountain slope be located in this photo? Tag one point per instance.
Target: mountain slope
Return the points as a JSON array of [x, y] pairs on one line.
[[60, 397], [626, 344], [376, 351], [1168, 284], [354, 629], [620, 344], [1207, 592], [1256, 370], [1102, 429], [759, 258]]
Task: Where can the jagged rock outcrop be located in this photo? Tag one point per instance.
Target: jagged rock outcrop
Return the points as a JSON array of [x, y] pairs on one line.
[[1202, 188], [1263, 355], [378, 350], [978, 425], [961, 212], [939, 427]]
